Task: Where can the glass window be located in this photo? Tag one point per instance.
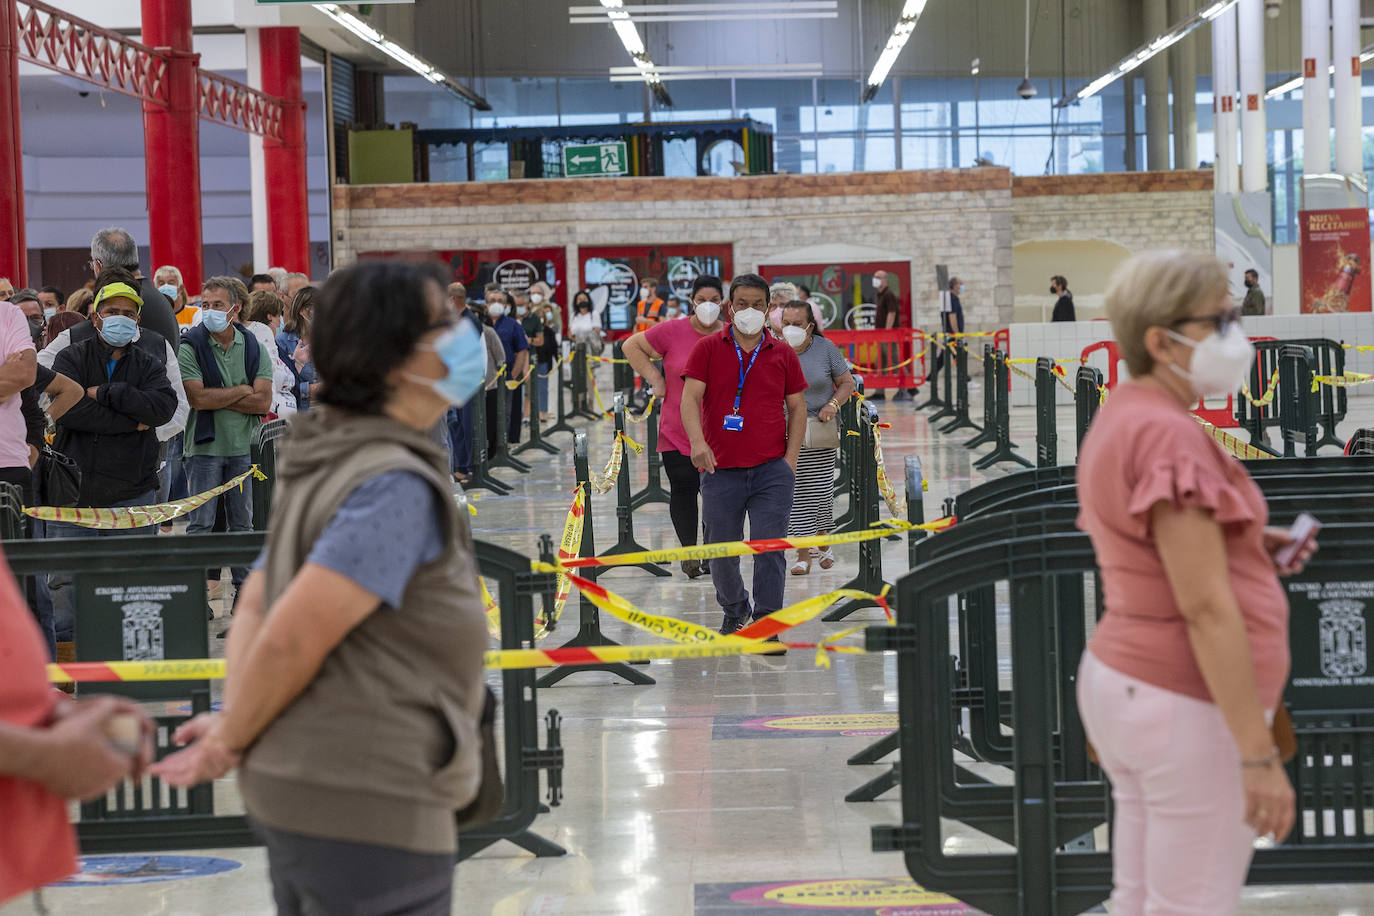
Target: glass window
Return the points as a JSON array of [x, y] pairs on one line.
[[694, 100], [491, 161], [448, 162], [680, 157]]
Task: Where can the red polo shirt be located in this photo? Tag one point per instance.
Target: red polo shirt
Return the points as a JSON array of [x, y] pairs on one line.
[[776, 373]]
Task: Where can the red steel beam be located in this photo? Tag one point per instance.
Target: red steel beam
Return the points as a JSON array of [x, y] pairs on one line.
[[288, 210], [13, 252]]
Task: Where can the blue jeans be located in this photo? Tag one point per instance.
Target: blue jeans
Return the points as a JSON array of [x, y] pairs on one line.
[[542, 385], [172, 480], [60, 584], [764, 494], [205, 472], [460, 436]]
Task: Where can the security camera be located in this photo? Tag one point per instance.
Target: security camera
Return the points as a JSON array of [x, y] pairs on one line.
[[1026, 90], [1271, 8]]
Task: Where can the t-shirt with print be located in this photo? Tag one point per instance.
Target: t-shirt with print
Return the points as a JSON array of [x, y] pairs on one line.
[[674, 340], [775, 374], [233, 430], [822, 363], [14, 339]]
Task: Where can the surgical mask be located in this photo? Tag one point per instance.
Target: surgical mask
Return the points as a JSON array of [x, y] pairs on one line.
[[214, 321], [48, 313], [672, 311], [496, 310], [464, 356], [645, 292], [707, 312], [521, 310], [168, 290], [118, 330], [749, 321], [794, 335], [536, 298], [1221, 361]]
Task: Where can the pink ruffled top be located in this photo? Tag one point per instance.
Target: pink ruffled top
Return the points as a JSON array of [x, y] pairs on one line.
[[1144, 448]]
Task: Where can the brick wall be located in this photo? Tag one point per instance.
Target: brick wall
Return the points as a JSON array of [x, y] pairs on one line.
[[968, 219]]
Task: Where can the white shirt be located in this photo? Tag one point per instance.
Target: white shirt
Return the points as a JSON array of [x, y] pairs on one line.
[[48, 355], [283, 381]]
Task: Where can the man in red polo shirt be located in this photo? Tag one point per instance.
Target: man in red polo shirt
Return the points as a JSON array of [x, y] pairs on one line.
[[746, 445]]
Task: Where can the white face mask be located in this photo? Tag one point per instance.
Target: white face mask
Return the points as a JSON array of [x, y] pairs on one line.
[[536, 298], [749, 321], [646, 292], [1221, 361], [707, 312], [794, 335], [496, 310]]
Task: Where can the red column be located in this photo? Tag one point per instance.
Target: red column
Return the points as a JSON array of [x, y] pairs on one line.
[[13, 250], [171, 144], [288, 209]]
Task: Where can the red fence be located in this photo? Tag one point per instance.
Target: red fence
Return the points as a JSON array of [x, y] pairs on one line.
[[893, 358]]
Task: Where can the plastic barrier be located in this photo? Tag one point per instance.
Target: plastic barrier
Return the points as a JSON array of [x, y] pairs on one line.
[[864, 500], [933, 347], [580, 383], [653, 491], [624, 511], [1297, 416], [262, 453], [1002, 444], [961, 418], [536, 431], [481, 478], [944, 365], [1088, 394], [847, 419], [1046, 421], [988, 434], [152, 816], [502, 457], [890, 358], [1043, 810]]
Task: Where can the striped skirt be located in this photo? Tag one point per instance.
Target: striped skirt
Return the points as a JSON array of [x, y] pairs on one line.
[[813, 501]]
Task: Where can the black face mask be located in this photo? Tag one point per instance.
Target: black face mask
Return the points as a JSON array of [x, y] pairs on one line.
[[1249, 284], [36, 328], [1053, 290]]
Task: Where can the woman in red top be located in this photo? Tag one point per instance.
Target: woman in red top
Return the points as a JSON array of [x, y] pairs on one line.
[[51, 750], [1186, 667]]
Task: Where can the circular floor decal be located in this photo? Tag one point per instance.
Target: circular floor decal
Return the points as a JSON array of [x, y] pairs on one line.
[[107, 870], [862, 723], [882, 896]]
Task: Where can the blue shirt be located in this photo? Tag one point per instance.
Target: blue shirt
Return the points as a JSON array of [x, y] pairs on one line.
[[512, 336]]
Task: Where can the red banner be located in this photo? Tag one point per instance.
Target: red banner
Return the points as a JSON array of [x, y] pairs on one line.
[[1333, 255]]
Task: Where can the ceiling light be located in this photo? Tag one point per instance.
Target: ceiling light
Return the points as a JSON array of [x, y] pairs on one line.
[[1150, 49], [1296, 82], [402, 56], [629, 37], [911, 11], [713, 12]]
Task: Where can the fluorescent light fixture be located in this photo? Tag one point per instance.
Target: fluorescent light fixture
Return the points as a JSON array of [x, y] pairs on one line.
[[713, 12], [1148, 50], [1296, 82], [629, 37], [402, 56], [911, 12], [975, 67]]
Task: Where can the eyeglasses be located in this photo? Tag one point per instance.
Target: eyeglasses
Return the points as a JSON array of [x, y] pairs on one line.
[[1221, 321], [93, 266]]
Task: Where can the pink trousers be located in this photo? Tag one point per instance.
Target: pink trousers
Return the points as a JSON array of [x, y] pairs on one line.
[[1180, 845]]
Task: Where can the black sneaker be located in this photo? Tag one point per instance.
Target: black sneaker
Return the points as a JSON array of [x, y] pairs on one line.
[[693, 569], [730, 626]]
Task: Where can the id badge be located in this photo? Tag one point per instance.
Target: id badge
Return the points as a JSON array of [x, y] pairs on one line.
[[734, 423]]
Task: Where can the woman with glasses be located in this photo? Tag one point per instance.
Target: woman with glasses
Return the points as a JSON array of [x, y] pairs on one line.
[[1182, 677], [354, 691], [672, 342]]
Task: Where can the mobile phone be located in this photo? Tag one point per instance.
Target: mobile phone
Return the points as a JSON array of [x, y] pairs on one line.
[[1303, 530]]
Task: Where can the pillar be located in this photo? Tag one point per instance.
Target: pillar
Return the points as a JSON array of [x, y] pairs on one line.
[[13, 249], [1345, 56], [257, 170], [171, 143], [1224, 101], [1316, 87], [1183, 75], [1253, 140], [288, 209], [1156, 91]]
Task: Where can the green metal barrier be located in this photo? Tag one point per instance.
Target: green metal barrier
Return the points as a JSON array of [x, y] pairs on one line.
[[946, 365], [262, 451], [988, 435], [153, 816], [846, 419], [502, 458], [624, 510], [1328, 405], [864, 498], [1002, 444], [1046, 422], [11, 512], [482, 478], [536, 436], [1087, 398], [1297, 416], [1334, 771], [932, 361], [653, 491], [961, 417], [559, 388], [589, 615], [581, 381]]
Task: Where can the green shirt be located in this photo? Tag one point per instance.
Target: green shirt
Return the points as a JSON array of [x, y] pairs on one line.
[[233, 430]]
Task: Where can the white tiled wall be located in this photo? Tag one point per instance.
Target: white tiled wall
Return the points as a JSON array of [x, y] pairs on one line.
[[1069, 340]]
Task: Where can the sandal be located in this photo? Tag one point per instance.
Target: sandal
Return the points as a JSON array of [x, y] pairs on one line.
[[827, 558], [801, 567]]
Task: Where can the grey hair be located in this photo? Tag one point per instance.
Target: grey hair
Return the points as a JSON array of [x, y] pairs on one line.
[[298, 276], [170, 271], [279, 274], [114, 247], [227, 284], [786, 289]]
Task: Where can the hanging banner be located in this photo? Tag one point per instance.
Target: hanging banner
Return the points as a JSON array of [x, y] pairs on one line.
[[1333, 254]]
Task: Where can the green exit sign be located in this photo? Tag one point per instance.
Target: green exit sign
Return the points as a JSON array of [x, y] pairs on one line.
[[595, 160]]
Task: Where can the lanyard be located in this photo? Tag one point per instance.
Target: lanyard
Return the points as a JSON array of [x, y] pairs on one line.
[[743, 370]]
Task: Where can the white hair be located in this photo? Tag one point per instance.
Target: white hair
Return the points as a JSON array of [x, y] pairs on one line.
[[298, 276], [783, 288], [167, 270], [279, 275]]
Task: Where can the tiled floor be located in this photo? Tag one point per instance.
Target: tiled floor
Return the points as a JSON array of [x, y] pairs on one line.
[[682, 798]]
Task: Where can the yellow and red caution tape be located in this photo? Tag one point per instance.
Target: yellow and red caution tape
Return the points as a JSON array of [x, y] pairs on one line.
[[895, 504], [568, 549], [1347, 380], [516, 383], [1265, 399], [591, 383], [609, 359], [645, 415], [1238, 447], [137, 516], [603, 482], [876, 370]]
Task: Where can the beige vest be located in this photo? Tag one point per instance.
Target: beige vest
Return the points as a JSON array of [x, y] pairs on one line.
[[383, 745]]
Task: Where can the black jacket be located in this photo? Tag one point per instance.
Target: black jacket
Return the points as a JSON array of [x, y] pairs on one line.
[[157, 314], [1063, 308], [118, 461]]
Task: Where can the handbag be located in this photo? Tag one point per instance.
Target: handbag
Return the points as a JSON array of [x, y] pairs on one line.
[[491, 793], [821, 433], [58, 479]]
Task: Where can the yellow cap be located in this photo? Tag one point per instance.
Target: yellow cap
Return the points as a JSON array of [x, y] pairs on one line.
[[117, 291]]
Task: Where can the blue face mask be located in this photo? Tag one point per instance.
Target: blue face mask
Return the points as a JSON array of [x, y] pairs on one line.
[[214, 321], [168, 290], [464, 356], [48, 313], [118, 330]]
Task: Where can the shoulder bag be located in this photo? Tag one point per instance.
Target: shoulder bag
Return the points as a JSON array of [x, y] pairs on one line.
[[58, 478], [491, 794]]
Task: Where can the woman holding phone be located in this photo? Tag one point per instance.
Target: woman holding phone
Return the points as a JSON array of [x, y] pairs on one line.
[[1182, 678]]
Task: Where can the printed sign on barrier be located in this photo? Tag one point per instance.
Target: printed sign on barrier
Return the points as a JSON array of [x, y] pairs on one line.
[[1329, 625]]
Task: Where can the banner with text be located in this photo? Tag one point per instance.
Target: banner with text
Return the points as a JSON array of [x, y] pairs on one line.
[[1333, 255]]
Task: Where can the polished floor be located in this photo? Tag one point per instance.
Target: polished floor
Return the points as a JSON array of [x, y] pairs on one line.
[[691, 797]]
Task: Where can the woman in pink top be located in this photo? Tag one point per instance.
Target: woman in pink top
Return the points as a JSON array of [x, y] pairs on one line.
[[1186, 667], [672, 341]]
